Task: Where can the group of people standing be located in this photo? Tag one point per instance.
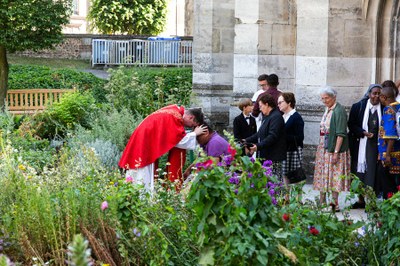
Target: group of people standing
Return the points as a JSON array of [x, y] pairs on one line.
[[366, 145], [374, 140], [270, 128]]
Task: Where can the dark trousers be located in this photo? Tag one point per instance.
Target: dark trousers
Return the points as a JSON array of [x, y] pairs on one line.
[[386, 180]]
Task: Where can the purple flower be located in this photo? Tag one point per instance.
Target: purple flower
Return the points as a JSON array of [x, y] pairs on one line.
[[228, 160], [220, 164], [356, 244], [252, 159], [267, 163], [252, 185], [129, 179], [234, 180], [116, 184], [250, 175], [236, 191], [273, 199], [136, 232], [271, 192], [268, 172]]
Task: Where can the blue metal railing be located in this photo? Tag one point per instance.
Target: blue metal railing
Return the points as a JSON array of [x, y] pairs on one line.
[[141, 52]]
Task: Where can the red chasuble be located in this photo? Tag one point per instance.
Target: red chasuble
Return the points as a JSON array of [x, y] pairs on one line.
[[157, 134]]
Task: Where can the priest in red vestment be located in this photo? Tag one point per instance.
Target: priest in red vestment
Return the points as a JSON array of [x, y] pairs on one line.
[[160, 132]]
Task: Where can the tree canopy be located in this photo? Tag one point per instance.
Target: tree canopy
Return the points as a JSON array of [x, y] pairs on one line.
[[29, 24], [142, 17]]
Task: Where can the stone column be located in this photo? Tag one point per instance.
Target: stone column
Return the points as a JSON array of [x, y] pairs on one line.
[[246, 45], [213, 58]]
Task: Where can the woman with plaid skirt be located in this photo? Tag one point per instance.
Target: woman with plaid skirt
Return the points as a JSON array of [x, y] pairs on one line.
[[294, 129]]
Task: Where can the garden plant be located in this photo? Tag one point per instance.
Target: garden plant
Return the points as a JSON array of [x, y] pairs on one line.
[[63, 199]]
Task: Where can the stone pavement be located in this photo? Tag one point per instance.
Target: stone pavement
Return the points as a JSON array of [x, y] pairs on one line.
[[98, 72], [356, 215]]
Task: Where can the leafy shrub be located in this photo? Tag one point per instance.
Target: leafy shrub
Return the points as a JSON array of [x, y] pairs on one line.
[[107, 152], [41, 77], [380, 236], [72, 110], [41, 213], [148, 91], [241, 219], [148, 223], [109, 125]]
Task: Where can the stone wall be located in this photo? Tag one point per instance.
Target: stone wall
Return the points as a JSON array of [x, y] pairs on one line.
[[309, 44], [79, 46]]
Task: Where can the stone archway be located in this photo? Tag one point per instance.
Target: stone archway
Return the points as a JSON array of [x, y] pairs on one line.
[[385, 17]]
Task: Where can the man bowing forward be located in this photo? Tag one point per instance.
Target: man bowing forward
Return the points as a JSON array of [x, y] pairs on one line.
[[160, 132]]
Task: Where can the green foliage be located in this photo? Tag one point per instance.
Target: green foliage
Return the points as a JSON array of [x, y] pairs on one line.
[[133, 16], [72, 110], [32, 24], [242, 217], [145, 91], [148, 223], [4, 261], [111, 125], [241, 220], [78, 252], [42, 77], [381, 235], [41, 213]]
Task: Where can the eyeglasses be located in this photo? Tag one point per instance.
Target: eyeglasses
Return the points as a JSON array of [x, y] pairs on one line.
[[280, 102]]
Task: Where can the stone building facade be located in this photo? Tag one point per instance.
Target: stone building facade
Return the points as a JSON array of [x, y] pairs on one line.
[[307, 43]]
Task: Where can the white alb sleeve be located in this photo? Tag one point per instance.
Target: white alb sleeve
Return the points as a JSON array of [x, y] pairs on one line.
[[188, 142]]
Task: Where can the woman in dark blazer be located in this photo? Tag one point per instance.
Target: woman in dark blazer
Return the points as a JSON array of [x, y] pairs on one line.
[[294, 130], [270, 141]]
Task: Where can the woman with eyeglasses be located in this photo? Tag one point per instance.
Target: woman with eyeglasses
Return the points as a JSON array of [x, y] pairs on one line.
[[294, 130], [332, 160]]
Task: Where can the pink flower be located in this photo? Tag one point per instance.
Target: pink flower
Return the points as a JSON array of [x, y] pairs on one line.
[[205, 165], [129, 179], [104, 205]]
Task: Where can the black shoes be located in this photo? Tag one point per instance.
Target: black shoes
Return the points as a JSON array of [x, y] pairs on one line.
[[358, 205]]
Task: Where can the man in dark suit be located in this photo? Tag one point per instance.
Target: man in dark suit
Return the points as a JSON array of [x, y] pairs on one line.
[[244, 125]]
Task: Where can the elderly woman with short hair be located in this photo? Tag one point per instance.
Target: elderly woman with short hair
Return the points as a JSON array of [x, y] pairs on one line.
[[332, 160]]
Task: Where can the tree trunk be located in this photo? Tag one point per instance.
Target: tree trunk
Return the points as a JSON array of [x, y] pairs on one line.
[[3, 76]]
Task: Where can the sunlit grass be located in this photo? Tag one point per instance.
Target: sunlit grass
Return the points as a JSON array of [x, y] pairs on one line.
[[54, 63]]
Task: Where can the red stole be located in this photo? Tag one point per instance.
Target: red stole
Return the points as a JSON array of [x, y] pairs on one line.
[[157, 134]]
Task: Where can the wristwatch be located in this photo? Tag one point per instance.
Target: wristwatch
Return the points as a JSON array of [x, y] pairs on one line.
[[336, 151]]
